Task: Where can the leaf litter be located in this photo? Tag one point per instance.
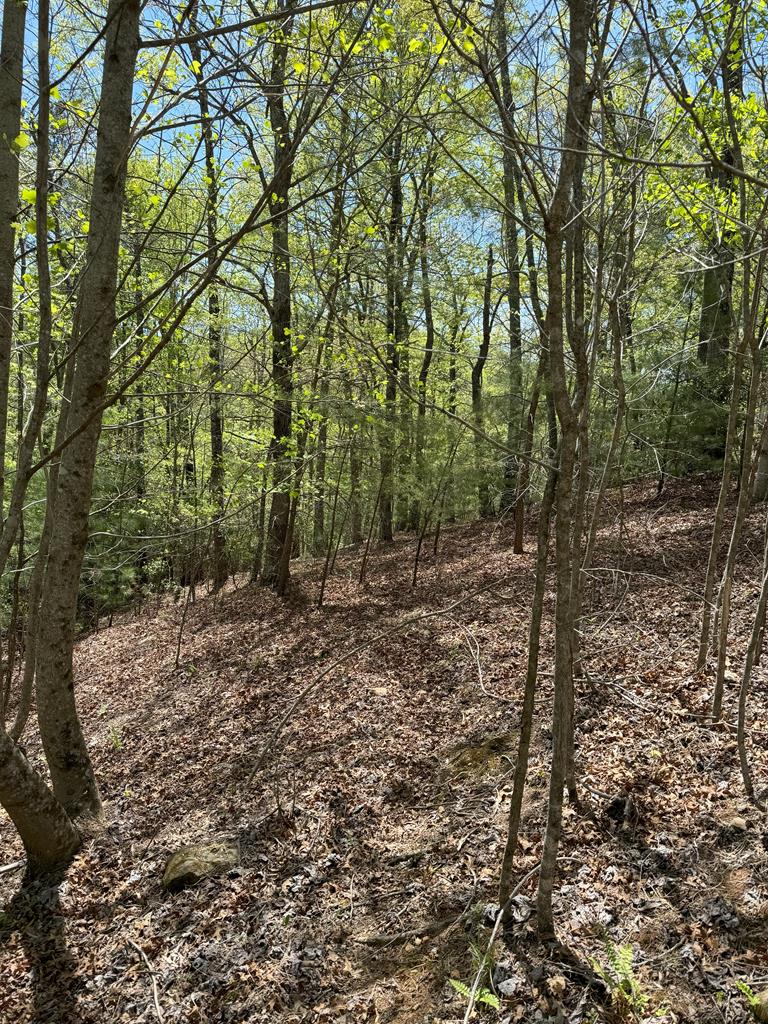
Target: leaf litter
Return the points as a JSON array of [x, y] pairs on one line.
[[369, 840]]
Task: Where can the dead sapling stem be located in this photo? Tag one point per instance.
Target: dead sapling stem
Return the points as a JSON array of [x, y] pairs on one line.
[[438, 495], [371, 526], [339, 535], [152, 978], [329, 553]]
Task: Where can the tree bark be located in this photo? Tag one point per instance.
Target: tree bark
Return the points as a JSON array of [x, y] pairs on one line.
[[74, 782], [282, 342], [216, 481], [579, 102], [11, 84], [394, 339], [50, 839], [483, 489]]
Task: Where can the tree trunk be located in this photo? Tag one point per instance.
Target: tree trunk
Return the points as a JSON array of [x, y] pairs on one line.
[[50, 839], [11, 83], [751, 659], [282, 342], [513, 465], [531, 675], [742, 507], [717, 525], [579, 102], [483, 490], [394, 339], [73, 779], [429, 344], [716, 320], [216, 483]]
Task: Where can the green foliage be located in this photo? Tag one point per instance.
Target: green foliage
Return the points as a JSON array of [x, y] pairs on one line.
[[483, 995], [628, 999], [752, 1000], [115, 738]]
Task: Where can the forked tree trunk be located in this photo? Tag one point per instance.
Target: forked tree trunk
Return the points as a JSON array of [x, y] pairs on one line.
[[50, 839]]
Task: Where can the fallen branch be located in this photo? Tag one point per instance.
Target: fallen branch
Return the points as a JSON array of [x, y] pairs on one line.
[[431, 928], [13, 866], [153, 979]]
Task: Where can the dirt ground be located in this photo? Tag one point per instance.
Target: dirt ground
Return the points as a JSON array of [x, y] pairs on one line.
[[370, 835]]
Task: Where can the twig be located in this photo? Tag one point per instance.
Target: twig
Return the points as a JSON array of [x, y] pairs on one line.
[[13, 866], [155, 994], [494, 933], [431, 928]]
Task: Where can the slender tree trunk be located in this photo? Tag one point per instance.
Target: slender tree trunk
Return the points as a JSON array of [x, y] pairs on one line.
[[139, 453], [618, 426], [751, 659], [325, 353], [394, 339], [73, 779], [579, 102], [321, 450], [37, 575], [11, 84], [717, 525], [760, 488], [483, 489], [513, 465], [453, 347], [531, 676], [282, 341], [672, 409], [215, 358], [742, 507], [429, 345]]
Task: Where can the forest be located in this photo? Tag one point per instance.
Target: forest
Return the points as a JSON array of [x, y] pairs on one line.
[[383, 511]]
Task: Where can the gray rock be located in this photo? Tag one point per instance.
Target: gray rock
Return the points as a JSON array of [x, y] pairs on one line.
[[760, 1005], [192, 863]]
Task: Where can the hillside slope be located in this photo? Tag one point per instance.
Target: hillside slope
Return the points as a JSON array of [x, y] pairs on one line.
[[370, 837]]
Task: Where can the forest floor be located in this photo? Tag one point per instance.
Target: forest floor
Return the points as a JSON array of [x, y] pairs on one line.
[[370, 837]]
